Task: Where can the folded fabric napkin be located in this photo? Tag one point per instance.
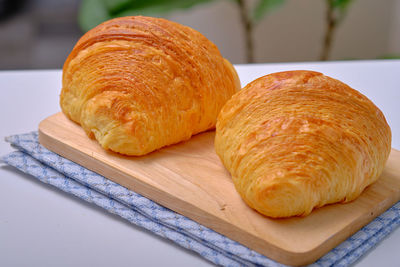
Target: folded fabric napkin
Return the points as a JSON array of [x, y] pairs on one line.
[[50, 168]]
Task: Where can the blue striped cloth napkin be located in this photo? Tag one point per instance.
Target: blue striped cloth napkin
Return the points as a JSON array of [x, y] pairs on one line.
[[50, 168]]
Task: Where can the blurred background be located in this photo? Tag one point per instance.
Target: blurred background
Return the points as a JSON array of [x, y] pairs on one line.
[[39, 34]]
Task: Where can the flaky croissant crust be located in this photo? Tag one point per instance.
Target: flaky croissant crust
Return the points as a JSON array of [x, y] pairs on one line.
[[139, 83], [298, 140]]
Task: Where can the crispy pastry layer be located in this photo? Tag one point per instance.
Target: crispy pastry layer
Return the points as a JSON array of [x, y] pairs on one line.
[[137, 84], [297, 140]]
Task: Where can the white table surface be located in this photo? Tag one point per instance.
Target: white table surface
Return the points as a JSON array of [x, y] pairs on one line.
[[42, 226]]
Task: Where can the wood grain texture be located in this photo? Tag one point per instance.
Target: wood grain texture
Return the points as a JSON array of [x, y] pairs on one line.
[[190, 179]]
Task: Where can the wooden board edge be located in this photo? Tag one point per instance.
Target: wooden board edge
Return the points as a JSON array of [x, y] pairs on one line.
[[276, 253], [198, 215], [348, 231]]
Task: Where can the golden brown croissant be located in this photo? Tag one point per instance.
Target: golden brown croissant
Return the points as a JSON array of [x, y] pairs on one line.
[[297, 140], [137, 84]]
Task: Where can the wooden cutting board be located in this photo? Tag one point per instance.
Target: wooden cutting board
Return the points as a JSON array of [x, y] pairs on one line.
[[190, 179]]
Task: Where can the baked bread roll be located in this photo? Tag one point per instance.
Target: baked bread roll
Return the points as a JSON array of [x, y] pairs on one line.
[[297, 140], [137, 84]]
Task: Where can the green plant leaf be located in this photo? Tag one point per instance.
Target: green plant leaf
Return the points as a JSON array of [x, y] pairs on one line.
[[263, 7], [341, 4], [112, 5], [340, 7], [152, 7], [92, 13]]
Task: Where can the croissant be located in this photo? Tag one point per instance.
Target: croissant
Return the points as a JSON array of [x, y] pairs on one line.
[[297, 140], [137, 84]]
